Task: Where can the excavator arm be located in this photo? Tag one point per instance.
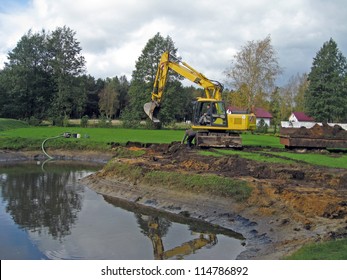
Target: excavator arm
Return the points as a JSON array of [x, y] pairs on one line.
[[213, 89]]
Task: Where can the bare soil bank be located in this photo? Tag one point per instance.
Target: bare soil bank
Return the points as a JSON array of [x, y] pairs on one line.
[[290, 205]]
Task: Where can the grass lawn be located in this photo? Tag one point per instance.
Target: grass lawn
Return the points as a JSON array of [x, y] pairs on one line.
[[330, 250], [335, 161], [327, 160], [247, 155], [18, 135], [102, 135], [6, 124], [249, 139], [91, 138]]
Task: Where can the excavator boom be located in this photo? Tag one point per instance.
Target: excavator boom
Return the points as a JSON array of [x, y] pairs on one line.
[[213, 89]]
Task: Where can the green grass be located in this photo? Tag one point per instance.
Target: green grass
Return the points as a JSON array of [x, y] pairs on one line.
[[247, 155], [91, 138], [249, 139], [6, 124], [17, 129], [327, 160], [331, 250], [212, 184], [120, 135]]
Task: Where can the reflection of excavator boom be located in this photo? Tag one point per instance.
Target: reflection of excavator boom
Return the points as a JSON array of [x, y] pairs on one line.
[[191, 246], [184, 249], [217, 128]]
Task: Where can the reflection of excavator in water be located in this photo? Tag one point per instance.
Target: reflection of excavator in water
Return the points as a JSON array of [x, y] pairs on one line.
[[185, 249], [214, 126]]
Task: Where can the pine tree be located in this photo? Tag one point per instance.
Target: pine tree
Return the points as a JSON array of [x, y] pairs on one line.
[[326, 96], [143, 77]]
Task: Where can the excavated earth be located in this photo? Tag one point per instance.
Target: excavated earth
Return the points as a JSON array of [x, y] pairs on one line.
[[290, 204]]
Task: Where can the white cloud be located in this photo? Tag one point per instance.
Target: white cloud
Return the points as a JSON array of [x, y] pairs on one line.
[[207, 33]]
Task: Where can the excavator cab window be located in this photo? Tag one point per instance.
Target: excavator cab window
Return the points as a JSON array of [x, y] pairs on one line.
[[210, 113]]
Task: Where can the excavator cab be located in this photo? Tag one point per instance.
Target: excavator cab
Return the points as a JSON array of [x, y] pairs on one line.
[[210, 113]]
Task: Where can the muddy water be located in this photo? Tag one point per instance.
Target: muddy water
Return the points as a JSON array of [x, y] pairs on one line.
[[46, 214]]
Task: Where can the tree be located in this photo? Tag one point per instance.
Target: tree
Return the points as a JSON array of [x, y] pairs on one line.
[[292, 95], [143, 77], [237, 98], [326, 95], [26, 78], [43, 77], [66, 64], [299, 98], [123, 98], [275, 101], [109, 98], [93, 88], [254, 71]]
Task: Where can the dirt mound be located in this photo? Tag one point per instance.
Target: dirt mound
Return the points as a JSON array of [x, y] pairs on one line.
[[323, 131]]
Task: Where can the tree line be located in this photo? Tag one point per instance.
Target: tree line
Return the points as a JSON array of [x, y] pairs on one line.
[[45, 79]]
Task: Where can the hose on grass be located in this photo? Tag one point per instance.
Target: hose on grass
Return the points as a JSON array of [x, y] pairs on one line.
[[44, 141]]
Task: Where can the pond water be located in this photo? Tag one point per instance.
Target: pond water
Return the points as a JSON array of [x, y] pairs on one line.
[[45, 213]]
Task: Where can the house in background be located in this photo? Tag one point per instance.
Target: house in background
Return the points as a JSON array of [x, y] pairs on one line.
[[260, 113], [300, 117]]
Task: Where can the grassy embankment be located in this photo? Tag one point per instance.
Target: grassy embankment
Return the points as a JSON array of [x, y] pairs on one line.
[[284, 157], [197, 183], [330, 250]]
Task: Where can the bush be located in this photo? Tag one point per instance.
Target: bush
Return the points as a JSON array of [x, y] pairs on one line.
[[84, 121], [33, 121], [129, 120], [104, 122], [66, 121], [57, 121]]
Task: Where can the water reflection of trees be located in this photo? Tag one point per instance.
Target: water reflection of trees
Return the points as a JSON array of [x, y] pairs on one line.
[[40, 201]]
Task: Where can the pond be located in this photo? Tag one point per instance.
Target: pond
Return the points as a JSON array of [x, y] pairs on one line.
[[45, 213]]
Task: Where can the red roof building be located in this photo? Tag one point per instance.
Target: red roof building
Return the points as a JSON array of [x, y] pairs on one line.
[[300, 117], [262, 113]]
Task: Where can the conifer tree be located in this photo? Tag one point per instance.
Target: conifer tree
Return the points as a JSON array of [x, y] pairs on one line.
[[326, 95]]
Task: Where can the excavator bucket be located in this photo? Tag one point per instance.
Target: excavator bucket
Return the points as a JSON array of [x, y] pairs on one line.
[[152, 110]]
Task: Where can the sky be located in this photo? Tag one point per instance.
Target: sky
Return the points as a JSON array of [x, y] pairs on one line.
[[113, 33]]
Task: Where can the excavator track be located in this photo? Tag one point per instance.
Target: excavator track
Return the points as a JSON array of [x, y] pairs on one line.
[[218, 139]]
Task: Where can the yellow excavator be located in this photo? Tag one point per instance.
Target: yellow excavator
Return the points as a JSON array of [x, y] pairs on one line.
[[213, 125]]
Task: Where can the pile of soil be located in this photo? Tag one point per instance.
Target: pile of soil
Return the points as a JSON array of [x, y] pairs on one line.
[[323, 131], [290, 205]]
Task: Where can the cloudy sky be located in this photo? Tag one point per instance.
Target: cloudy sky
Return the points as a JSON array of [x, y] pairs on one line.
[[112, 33]]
